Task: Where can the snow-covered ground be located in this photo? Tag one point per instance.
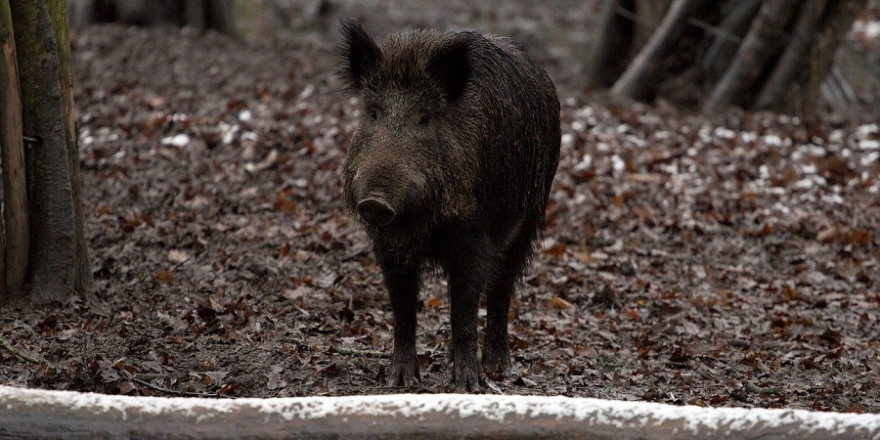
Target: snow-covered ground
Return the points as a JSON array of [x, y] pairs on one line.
[[48, 411]]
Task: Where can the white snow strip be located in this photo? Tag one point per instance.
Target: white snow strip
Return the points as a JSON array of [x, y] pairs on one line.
[[494, 408], [179, 140], [870, 29]]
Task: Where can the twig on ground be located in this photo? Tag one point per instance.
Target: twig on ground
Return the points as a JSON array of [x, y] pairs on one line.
[[21, 354], [761, 390], [353, 352], [175, 392]]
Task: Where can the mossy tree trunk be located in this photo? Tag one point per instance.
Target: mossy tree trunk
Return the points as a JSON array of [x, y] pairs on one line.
[[56, 265], [755, 54], [15, 234]]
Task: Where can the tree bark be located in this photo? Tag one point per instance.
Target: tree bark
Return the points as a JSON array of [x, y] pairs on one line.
[[837, 21], [50, 192], [735, 23], [15, 210], [638, 76], [83, 282], [792, 59], [753, 54], [613, 46]]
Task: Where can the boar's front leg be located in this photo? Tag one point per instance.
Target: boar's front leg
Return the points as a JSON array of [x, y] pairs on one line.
[[402, 281], [468, 271]]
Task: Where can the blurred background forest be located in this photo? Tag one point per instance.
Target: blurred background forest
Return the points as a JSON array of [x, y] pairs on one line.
[[568, 34]]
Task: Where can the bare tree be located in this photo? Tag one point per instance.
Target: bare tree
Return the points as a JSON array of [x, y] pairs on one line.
[[45, 245], [756, 54]]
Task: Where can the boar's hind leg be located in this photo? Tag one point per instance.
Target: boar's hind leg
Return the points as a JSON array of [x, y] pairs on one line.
[[496, 352], [403, 290], [468, 272]]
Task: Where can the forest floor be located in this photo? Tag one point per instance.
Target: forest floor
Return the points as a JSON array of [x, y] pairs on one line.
[[724, 261]]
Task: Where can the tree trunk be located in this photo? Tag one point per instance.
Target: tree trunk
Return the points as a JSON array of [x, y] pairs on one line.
[[50, 190], [732, 28], [837, 21], [83, 282], [753, 54], [638, 77], [15, 220], [613, 45], [792, 58], [757, 54]]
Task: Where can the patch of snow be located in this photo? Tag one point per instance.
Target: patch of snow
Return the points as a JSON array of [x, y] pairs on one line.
[[585, 163], [245, 116], [868, 129], [772, 140], [870, 158], [179, 140], [869, 144], [567, 140], [228, 132], [617, 163], [493, 408], [870, 29], [724, 133], [834, 199]]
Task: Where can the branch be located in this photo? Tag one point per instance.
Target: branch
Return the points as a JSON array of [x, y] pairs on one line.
[[176, 392], [21, 354]]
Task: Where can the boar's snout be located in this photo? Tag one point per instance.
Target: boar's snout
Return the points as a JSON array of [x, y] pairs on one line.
[[375, 210]]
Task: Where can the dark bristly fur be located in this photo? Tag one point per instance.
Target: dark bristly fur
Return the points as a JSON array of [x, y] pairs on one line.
[[451, 166]]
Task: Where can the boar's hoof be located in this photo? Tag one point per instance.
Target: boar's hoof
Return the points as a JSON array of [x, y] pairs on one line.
[[376, 211], [405, 374], [467, 377]]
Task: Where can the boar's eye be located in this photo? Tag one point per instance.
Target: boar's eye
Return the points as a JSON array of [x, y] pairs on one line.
[[373, 113], [424, 119]]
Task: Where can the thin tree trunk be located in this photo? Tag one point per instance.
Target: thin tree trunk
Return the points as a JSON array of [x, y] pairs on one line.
[[753, 54], [838, 19], [83, 282], [735, 23], [15, 219], [50, 192], [219, 16], [613, 46], [638, 76], [792, 61]]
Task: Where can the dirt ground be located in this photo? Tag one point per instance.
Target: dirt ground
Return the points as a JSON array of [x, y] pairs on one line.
[[728, 261]]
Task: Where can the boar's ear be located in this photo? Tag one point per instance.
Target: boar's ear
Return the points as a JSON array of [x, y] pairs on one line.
[[359, 54], [450, 66]]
